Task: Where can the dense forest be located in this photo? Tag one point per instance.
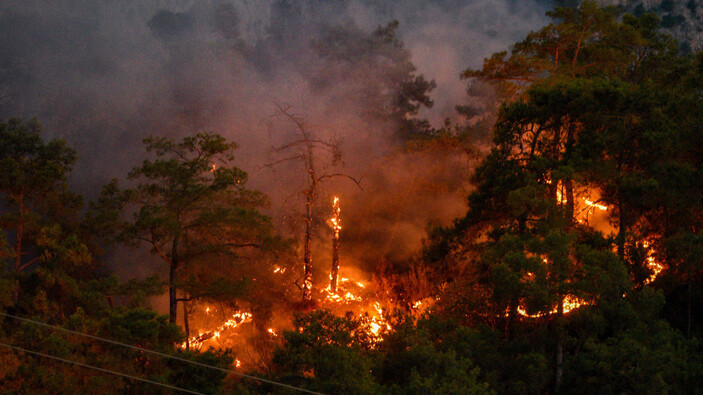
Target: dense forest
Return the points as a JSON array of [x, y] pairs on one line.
[[574, 264]]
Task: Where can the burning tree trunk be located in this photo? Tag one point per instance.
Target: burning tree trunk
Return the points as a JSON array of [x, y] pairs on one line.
[[309, 201], [307, 275], [186, 325], [336, 226]]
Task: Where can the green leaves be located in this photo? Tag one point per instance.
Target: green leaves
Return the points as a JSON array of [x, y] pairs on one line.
[[35, 197], [27, 163], [379, 70], [192, 190], [191, 207]]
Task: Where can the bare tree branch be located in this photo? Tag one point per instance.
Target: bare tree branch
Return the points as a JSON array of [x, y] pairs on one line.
[[283, 160], [311, 147], [357, 182], [242, 245]]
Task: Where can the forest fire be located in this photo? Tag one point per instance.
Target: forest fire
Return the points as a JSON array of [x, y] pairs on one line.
[[343, 294], [348, 298], [235, 320], [336, 227], [569, 304], [587, 208], [339, 293], [531, 224], [652, 264], [590, 207]]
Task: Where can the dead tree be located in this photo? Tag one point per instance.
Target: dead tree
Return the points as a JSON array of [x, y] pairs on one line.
[[304, 149]]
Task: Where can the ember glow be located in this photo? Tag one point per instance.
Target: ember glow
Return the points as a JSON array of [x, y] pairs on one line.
[[353, 295], [570, 303], [378, 323], [652, 264], [336, 227], [336, 223], [234, 321], [595, 205]]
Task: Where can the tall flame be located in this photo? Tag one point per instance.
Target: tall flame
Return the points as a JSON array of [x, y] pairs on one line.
[[336, 223], [336, 226]]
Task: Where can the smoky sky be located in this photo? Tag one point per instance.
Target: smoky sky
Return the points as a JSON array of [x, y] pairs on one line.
[[104, 74]]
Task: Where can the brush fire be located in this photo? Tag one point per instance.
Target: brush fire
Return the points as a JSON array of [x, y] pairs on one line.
[[589, 211], [344, 293]]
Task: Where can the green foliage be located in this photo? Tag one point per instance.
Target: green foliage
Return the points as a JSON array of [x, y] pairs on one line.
[[692, 6], [33, 190], [592, 102], [584, 41], [637, 353], [335, 355], [62, 287], [600, 104], [669, 21], [191, 207], [326, 354], [381, 66], [202, 379], [430, 358]]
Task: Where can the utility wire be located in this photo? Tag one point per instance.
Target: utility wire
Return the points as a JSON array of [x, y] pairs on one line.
[[99, 369], [164, 355]]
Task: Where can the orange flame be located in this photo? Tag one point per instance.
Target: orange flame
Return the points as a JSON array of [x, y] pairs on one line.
[[237, 319], [336, 223], [652, 263], [570, 303]]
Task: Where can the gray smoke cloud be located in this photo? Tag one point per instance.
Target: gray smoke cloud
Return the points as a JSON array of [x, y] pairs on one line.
[[103, 74]]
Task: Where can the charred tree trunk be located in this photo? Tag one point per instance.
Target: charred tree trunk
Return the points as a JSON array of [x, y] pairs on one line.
[[309, 144], [307, 276], [172, 300], [512, 318], [19, 230], [18, 247], [622, 229], [186, 325], [310, 199], [562, 273], [569, 208], [568, 182], [688, 327], [335, 263], [559, 355]]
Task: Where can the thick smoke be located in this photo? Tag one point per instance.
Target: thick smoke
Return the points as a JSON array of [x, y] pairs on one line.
[[104, 74]]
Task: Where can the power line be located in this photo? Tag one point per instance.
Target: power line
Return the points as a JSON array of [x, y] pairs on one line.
[[164, 355], [100, 369]]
